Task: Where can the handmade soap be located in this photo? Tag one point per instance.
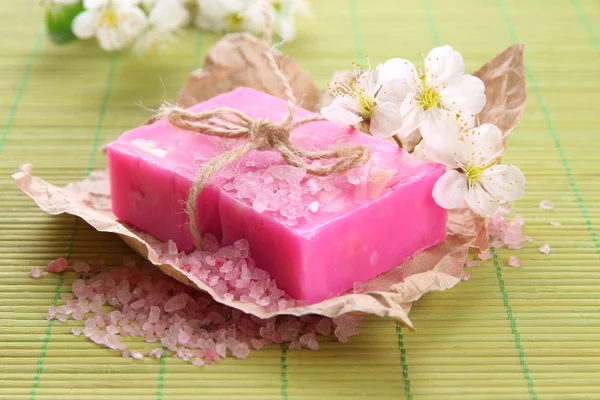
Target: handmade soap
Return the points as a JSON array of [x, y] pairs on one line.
[[316, 236]]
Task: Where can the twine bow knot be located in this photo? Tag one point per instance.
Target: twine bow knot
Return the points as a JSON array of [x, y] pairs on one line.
[[262, 135]]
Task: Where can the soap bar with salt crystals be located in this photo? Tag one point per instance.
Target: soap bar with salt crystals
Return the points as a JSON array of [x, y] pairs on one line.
[[316, 236]]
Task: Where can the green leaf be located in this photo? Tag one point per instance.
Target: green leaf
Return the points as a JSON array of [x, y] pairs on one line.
[[59, 19]]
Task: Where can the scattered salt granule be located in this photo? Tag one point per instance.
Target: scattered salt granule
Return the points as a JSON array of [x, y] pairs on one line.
[[156, 353], [515, 262], [485, 255], [58, 266], [471, 263], [358, 287], [188, 323], [505, 232], [36, 272], [555, 223], [546, 205], [545, 249]]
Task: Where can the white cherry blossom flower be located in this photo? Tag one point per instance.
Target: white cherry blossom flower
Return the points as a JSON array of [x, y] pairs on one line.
[[115, 23], [230, 15], [364, 100], [166, 18], [431, 96], [285, 16], [475, 174]]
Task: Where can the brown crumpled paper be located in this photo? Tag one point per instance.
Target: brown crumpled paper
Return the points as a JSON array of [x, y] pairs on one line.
[[238, 60], [387, 295]]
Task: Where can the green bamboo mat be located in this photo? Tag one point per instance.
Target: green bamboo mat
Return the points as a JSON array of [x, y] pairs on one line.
[[505, 334]]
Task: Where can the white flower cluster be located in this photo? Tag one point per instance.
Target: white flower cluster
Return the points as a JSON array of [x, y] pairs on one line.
[[438, 105], [150, 24]]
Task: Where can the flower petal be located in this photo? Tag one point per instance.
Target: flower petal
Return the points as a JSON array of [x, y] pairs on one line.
[[168, 14], [109, 38], [386, 120], [412, 115], [337, 113], [465, 95], [443, 65], [93, 4], [398, 78], [132, 21], [505, 182], [481, 145], [450, 190], [398, 68], [84, 25], [439, 128], [481, 201]]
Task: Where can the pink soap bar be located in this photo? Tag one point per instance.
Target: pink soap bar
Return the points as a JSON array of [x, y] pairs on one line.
[[315, 236]]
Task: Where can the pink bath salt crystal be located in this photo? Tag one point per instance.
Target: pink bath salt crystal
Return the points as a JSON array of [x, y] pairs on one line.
[[241, 350], [243, 283], [58, 266], [78, 315], [112, 329], [98, 337], [184, 336], [346, 326], [515, 262], [256, 292], [154, 315], [81, 267], [555, 223], [156, 353], [212, 281], [358, 287], [313, 207], [545, 249], [198, 362], [175, 303], [264, 301], [546, 205], [221, 349], [227, 267], [485, 255], [228, 297], [295, 345], [114, 342], [309, 340], [138, 304], [36, 272], [137, 355], [324, 327], [220, 288], [258, 344], [128, 261], [260, 275], [61, 318], [210, 355], [124, 295], [76, 331], [465, 276]]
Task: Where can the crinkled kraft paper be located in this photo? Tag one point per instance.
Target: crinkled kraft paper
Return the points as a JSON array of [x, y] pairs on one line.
[[387, 295]]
